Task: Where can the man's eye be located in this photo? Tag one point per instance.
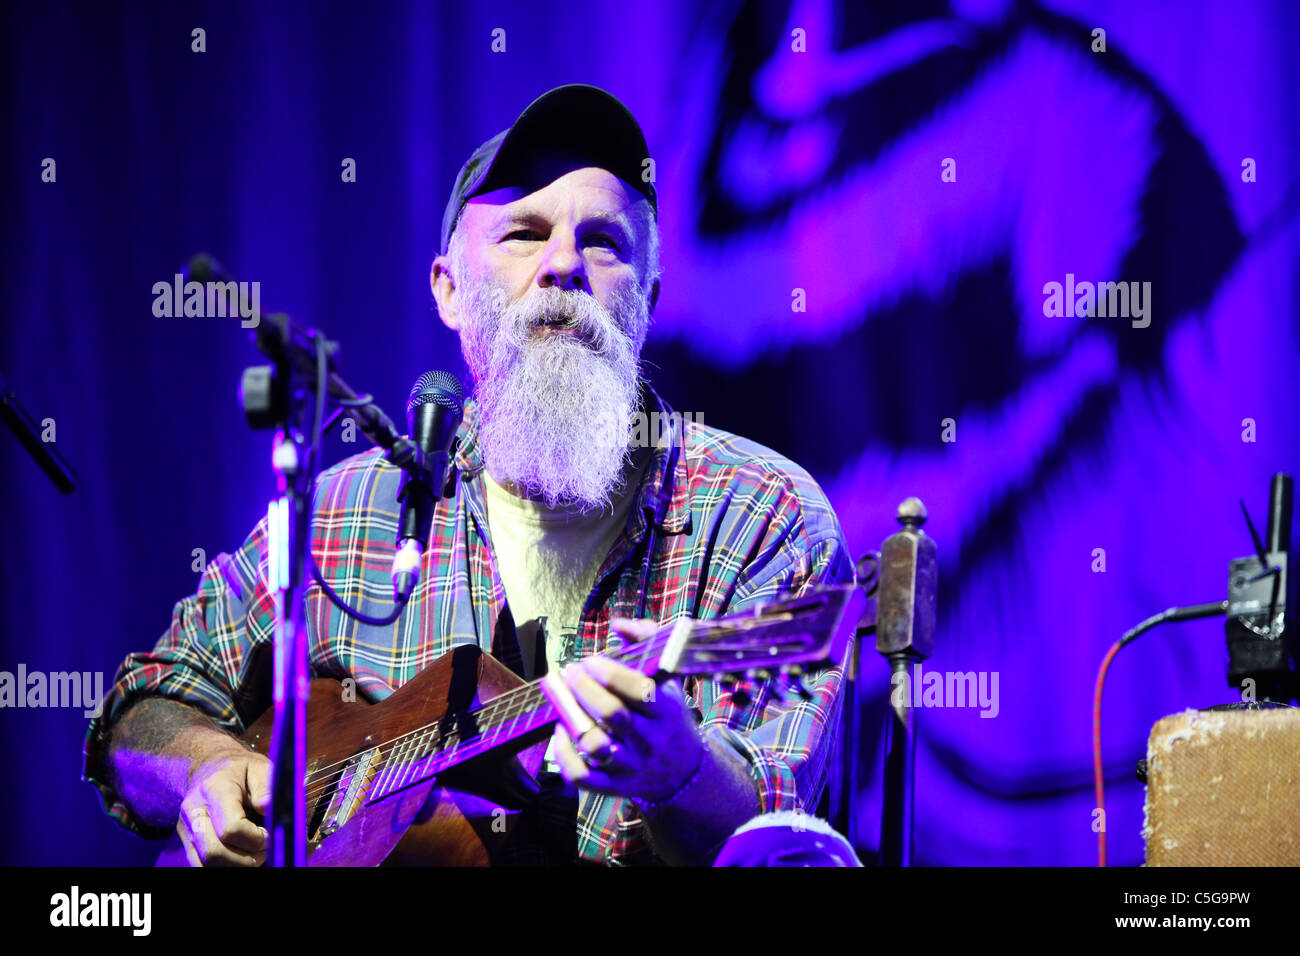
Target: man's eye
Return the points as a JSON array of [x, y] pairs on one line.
[[524, 235], [609, 242]]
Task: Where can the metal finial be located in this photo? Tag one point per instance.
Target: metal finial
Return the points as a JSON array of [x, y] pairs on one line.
[[912, 513]]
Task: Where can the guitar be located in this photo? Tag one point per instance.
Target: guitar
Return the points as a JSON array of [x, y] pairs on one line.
[[437, 773]]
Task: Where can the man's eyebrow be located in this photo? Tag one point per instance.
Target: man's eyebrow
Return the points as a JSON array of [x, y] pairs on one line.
[[528, 215], [522, 214], [609, 218]]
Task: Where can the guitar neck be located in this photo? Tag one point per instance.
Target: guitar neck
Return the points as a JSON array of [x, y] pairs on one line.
[[458, 737], [812, 628]]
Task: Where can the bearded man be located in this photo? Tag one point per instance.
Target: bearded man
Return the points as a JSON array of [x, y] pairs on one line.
[[567, 527]]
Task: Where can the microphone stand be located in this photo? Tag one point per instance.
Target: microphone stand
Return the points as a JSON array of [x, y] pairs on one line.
[[288, 522], [26, 430], [275, 397]]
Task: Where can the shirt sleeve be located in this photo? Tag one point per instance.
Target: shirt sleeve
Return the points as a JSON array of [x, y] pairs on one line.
[[786, 739], [216, 656]]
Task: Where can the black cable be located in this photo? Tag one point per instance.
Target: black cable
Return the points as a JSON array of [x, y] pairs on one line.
[[317, 436], [322, 380], [351, 612], [1189, 613]]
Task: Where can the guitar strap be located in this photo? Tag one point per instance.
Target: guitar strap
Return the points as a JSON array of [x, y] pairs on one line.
[[656, 520]]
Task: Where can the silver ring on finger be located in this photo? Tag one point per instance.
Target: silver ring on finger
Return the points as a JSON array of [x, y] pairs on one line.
[[596, 761]]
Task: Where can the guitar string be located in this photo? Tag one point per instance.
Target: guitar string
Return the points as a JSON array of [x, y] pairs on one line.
[[525, 698], [392, 773], [526, 694]]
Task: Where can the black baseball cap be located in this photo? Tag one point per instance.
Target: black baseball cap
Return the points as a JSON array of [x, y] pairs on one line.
[[577, 121]]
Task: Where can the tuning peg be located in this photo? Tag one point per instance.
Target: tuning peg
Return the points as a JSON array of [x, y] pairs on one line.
[[760, 673]]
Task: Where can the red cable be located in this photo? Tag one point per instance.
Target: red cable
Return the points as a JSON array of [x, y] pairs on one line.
[[1096, 749]]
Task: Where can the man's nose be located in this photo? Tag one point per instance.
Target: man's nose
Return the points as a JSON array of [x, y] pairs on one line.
[[562, 266]]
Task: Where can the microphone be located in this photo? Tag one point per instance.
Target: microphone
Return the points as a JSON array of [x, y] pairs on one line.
[[433, 414]]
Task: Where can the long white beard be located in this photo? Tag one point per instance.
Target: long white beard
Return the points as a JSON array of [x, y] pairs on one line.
[[555, 410]]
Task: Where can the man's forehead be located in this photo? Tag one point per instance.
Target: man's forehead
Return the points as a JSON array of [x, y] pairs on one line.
[[598, 193]]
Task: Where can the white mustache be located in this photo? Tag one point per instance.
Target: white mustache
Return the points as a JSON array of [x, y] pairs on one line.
[[595, 326]]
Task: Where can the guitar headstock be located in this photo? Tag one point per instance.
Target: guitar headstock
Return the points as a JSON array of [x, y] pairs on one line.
[[811, 629]]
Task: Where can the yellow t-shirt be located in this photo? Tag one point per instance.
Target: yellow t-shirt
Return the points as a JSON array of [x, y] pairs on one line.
[[548, 559]]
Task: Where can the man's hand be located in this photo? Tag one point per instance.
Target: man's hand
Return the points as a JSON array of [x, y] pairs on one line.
[[174, 767], [645, 743], [214, 824]]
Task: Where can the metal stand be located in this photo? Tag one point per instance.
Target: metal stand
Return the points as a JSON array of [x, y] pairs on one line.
[[274, 397], [905, 626], [900, 582], [288, 524], [900, 765]]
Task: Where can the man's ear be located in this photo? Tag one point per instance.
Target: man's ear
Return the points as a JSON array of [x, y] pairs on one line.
[[443, 286]]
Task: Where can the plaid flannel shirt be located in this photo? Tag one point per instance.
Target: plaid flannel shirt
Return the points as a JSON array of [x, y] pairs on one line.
[[740, 525]]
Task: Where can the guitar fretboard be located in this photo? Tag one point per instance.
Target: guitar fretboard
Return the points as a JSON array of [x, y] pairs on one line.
[[813, 627], [434, 748]]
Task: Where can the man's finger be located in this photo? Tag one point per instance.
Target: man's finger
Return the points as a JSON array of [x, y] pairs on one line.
[[206, 845], [626, 725], [187, 842], [257, 784], [632, 629], [574, 769], [230, 822], [635, 690], [209, 847], [596, 700]]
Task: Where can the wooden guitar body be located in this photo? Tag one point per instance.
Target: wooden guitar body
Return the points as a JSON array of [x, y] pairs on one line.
[[462, 817]]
